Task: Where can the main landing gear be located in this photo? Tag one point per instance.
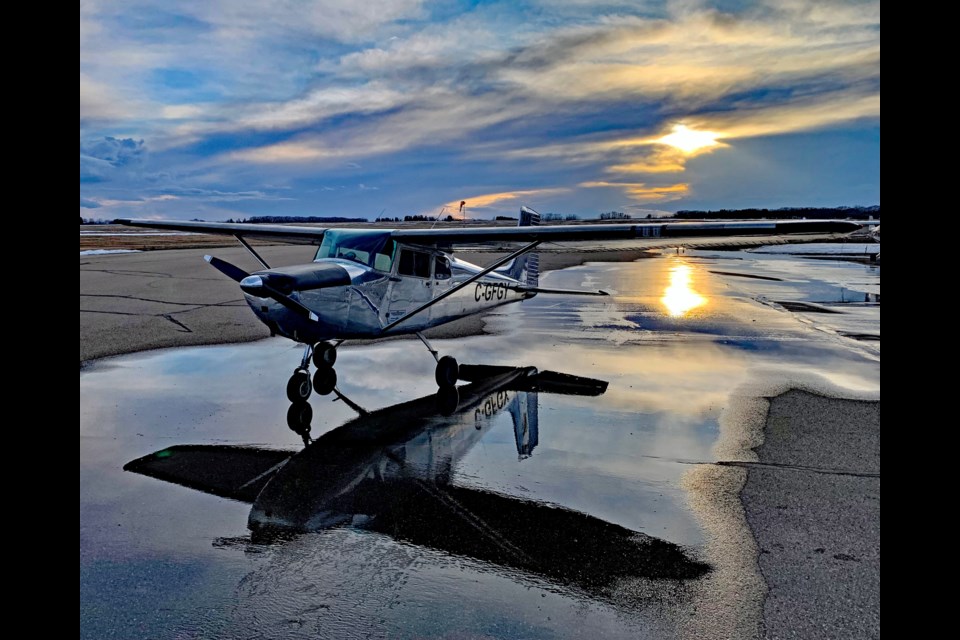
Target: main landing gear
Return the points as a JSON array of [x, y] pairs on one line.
[[448, 371], [300, 385]]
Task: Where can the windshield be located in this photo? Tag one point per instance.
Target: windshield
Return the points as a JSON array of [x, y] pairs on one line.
[[371, 248]]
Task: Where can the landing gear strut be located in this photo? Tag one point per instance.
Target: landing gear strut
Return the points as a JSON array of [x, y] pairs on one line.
[[448, 371]]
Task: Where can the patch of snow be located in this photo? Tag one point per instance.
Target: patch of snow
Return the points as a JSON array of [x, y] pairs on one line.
[[823, 248], [103, 252]]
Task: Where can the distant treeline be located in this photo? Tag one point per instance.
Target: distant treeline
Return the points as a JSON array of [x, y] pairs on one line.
[[815, 213], [276, 219], [416, 218]]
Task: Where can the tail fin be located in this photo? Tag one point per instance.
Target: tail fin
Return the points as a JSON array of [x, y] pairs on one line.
[[526, 268]]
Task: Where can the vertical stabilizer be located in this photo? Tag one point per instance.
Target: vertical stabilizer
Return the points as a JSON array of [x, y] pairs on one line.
[[526, 268]]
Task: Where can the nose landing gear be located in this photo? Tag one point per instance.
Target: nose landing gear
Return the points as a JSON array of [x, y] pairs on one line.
[[300, 386]]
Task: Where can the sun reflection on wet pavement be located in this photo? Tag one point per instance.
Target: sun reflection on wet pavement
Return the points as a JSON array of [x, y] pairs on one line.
[[679, 296]]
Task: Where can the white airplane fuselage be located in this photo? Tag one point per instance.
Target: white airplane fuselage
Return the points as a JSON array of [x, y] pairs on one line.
[[375, 298]]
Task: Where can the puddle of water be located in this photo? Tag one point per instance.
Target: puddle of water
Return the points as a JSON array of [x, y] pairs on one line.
[[491, 521]]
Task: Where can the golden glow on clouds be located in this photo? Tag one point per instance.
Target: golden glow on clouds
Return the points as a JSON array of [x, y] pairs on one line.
[[283, 152], [689, 140], [679, 297], [487, 199], [640, 192]]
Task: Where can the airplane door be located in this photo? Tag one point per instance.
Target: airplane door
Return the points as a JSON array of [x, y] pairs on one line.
[[412, 286], [442, 283]]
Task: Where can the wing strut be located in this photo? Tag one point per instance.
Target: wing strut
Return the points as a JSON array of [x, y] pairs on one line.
[[246, 245], [516, 254]]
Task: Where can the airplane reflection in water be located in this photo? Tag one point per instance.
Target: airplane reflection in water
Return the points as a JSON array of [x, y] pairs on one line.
[[391, 471]]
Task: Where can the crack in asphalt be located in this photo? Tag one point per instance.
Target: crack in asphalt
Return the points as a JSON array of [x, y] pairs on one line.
[[182, 304], [797, 467]]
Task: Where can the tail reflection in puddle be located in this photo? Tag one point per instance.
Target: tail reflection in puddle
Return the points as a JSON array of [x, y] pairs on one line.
[[390, 471]]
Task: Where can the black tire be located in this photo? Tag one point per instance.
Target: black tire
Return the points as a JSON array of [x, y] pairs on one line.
[[324, 381], [299, 416], [448, 399], [299, 387], [448, 372], [324, 355]]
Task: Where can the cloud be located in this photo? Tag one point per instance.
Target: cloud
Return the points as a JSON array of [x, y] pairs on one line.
[[99, 102], [88, 204], [488, 200], [321, 104], [640, 192], [285, 152], [231, 96], [106, 158]]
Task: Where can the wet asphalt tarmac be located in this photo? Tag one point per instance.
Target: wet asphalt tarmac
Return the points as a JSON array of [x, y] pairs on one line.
[[529, 506]]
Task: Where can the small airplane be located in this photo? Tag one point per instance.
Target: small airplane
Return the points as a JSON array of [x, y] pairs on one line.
[[372, 283], [392, 471]]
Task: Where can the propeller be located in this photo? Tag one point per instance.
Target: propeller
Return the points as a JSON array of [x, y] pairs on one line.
[[227, 269], [255, 285]]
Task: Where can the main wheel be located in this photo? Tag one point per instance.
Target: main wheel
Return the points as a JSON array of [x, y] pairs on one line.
[[324, 355], [448, 371], [324, 381], [299, 387]]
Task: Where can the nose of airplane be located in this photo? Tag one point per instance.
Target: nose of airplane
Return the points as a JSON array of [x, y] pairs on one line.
[[252, 285], [304, 277]]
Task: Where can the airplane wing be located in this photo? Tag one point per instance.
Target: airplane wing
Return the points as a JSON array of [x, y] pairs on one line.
[[652, 234], [238, 473]]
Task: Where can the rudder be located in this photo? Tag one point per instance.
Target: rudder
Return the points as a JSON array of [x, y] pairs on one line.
[[526, 268]]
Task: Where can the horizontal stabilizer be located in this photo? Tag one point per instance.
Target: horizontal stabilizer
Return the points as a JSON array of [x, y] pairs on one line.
[[566, 292]]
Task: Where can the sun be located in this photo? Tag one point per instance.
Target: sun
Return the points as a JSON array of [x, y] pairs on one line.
[[689, 140]]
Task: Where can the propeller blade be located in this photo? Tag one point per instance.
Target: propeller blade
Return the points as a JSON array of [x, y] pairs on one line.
[[227, 269], [290, 303], [258, 286]]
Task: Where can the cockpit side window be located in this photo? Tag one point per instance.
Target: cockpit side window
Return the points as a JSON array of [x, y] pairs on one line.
[[441, 268], [383, 259], [414, 263]]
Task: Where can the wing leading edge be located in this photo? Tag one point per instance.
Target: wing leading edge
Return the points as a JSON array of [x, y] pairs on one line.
[[547, 233]]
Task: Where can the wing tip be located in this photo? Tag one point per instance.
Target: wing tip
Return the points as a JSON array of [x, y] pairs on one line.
[[208, 258]]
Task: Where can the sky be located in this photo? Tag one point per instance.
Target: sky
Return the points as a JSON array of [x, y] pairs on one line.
[[231, 108]]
